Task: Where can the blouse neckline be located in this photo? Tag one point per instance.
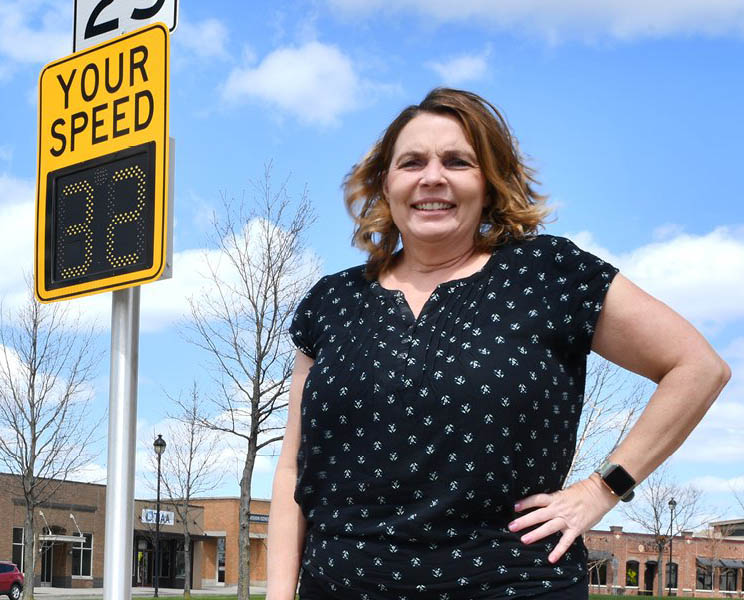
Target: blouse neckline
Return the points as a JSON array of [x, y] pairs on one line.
[[485, 269]]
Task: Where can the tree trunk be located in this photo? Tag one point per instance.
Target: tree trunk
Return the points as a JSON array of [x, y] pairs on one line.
[[187, 561], [244, 543], [659, 573], [28, 555]]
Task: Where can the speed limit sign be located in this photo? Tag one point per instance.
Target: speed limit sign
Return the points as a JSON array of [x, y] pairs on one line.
[[100, 20]]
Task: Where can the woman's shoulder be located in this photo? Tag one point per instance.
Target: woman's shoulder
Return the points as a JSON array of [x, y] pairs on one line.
[[546, 245], [347, 280], [554, 253]]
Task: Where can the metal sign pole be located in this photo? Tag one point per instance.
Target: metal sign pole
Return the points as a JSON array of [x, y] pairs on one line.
[[117, 564]]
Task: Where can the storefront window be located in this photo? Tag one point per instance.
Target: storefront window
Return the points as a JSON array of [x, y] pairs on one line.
[[18, 547], [727, 580], [82, 556], [631, 573], [598, 573], [180, 561], [704, 579], [671, 575], [165, 560]]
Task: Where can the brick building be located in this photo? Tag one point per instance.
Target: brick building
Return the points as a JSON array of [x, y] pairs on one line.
[[70, 538], [221, 553], [702, 565]]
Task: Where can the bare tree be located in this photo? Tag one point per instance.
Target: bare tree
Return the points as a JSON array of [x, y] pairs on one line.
[[613, 398], [188, 467], [650, 509], [738, 496], [47, 361], [241, 321]]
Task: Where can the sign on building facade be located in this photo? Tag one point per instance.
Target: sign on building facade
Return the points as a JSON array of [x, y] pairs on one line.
[[150, 517]]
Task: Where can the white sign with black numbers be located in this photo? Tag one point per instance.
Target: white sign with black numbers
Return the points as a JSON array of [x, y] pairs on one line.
[[96, 21], [150, 516]]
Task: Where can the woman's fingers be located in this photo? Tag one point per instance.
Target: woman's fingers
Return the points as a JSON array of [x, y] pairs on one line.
[[528, 520], [564, 544], [533, 502], [546, 529]]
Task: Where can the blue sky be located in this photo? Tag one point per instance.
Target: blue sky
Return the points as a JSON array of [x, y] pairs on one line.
[[630, 111]]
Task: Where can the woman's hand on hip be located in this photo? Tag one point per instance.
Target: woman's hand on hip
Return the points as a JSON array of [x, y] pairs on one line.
[[570, 512]]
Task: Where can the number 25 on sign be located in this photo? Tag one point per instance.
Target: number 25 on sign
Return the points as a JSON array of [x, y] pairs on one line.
[[103, 167]]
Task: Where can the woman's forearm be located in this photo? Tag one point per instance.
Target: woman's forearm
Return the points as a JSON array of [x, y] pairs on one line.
[[286, 537], [680, 401]]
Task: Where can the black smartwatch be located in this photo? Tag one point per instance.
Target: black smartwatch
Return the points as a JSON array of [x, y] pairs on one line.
[[618, 480]]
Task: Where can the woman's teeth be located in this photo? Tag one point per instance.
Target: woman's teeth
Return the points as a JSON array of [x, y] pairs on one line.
[[433, 206]]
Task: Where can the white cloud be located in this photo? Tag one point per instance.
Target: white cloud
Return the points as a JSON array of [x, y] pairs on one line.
[[735, 350], [315, 82], [89, 473], [666, 231], [620, 19], [17, 197], [204, 39], [462, 68], [722, 423], [708, 483], [34, 32], [700, 276]]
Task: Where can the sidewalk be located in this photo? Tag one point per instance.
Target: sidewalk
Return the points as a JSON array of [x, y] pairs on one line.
[[137, 592]]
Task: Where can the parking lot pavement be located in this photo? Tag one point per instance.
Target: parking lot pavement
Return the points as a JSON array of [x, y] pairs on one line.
[[137, 592]]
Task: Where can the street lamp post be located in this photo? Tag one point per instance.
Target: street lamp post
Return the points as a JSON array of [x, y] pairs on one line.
[[159, 445], [672, 506]]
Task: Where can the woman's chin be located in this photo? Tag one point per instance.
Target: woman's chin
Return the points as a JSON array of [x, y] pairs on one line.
[[433, 234]]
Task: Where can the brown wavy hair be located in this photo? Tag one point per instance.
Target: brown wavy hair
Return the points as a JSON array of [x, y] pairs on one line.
[[513, 209]]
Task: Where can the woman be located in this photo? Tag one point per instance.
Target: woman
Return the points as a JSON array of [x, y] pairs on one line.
[[437, 389]]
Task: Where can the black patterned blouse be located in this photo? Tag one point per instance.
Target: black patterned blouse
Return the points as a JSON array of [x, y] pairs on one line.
[[418, 435]]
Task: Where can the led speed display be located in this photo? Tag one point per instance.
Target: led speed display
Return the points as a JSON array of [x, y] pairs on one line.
[[100, 217]]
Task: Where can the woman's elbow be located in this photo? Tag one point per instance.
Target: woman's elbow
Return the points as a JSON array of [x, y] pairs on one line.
[[724, 373], [717, 372]]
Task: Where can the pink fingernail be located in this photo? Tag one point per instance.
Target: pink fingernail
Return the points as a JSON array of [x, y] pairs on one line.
[[517, 507]]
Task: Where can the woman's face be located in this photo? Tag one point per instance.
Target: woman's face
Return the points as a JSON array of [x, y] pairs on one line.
[[434, 185]]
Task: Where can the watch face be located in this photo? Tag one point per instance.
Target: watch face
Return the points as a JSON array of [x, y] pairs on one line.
[[619, 480]]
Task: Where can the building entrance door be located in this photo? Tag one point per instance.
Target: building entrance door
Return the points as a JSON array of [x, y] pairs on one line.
[[649, 577], [47, 565], [221, 561], [144, 567]]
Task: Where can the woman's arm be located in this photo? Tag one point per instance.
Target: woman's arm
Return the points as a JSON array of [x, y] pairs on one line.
[[286, 522], [641, 334]]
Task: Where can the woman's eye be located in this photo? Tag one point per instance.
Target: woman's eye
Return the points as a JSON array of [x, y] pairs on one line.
[[410, 163], [458, 162]]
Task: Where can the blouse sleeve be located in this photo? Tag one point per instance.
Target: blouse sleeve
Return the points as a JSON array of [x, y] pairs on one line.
[[303, 329], [581, 283]]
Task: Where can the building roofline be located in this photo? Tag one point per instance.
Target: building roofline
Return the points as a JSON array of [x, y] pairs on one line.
[[734, 539], [75, 481], [728, 522], [229, 498]]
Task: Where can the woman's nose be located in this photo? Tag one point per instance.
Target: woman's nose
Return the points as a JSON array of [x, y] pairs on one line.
[[432, 173]]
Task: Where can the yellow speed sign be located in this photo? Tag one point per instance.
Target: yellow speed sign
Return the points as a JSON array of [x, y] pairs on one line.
[[102, 176]]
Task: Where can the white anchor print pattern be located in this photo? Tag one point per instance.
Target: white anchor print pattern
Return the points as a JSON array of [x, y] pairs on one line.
[[419, 434]]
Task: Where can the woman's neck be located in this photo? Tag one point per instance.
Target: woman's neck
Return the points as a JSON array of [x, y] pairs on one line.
[[425, 268]]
